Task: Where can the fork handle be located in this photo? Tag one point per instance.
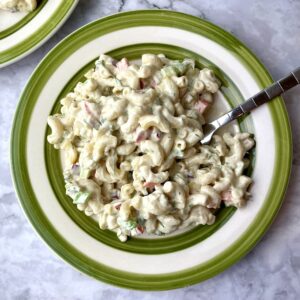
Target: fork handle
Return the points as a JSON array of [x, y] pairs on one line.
[[269, 93]]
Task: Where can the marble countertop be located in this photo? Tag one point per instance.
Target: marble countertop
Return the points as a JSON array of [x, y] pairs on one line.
[[29, 270]]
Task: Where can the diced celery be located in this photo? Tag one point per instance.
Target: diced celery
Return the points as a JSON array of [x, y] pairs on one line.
[[81, 197], [157, 77], [169, 71], [72, 190], [179, 67], [190, 63], [130, 224], [102, 120], [67, 175], [178, 153], [76, 194], [118, 82]]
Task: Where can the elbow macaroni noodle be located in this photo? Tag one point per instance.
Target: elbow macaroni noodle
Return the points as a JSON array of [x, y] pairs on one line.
[[130, 136]]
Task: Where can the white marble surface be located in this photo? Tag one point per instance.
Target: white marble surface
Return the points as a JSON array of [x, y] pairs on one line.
[[29, 270]]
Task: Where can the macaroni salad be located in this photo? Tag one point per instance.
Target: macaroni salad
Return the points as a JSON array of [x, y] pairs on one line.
[[18, 5], [130, 136]]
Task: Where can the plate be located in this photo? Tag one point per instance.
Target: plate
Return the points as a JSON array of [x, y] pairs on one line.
[[149, 263], [22, 33]]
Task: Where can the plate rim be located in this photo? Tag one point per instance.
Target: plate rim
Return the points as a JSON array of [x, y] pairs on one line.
[[58, 17], [187, 277]]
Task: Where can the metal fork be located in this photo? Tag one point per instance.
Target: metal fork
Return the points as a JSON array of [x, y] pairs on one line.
[[266, 95]]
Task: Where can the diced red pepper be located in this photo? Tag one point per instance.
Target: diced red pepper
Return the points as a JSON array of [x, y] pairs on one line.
[[226, 195], [140, 228], [158, 134], [201, 106], [87, 109], [143, 135], [114, 196], [150, 184], [117, 207], [123, 64], [142, 84]]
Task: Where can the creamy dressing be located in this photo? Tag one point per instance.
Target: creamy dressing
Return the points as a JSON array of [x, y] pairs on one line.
[[132, 159]]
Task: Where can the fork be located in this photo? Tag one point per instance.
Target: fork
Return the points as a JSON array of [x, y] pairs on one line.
[[264, 96]]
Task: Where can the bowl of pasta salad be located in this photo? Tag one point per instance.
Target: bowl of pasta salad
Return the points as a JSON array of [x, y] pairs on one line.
[[114, 177]]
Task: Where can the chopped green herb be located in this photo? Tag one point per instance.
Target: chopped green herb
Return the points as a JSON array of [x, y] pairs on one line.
[[180, 68]]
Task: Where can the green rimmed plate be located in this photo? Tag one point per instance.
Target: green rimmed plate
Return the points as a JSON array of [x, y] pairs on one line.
[[22, 33], [150, 264]]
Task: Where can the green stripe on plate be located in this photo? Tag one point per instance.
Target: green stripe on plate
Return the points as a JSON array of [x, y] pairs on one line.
[[57, 242], [12, 29], [41, 33], [137, 245]]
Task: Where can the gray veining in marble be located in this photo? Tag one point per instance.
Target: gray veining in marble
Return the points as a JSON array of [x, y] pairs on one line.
[[29, 270]]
